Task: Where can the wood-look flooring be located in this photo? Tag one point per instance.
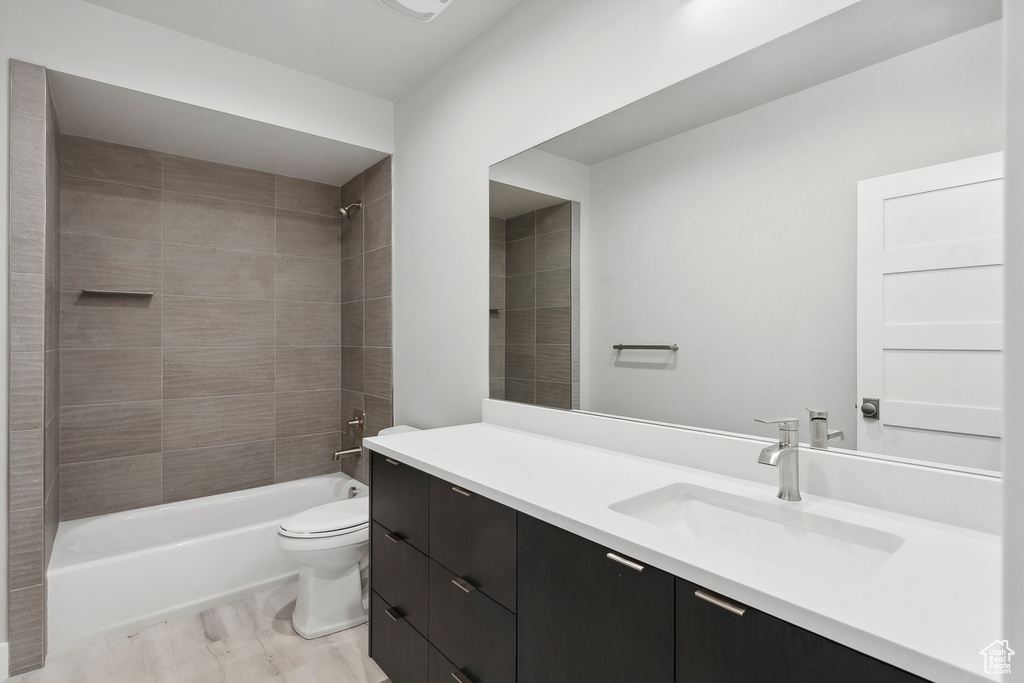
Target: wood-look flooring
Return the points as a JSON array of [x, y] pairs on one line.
[[249, 641]]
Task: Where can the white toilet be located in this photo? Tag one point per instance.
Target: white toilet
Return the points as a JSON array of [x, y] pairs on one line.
[[330, 543]]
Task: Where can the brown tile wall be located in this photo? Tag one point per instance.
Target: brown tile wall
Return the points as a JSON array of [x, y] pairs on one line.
[[35, 359], [540, 365], [366, 308], [238, 370], [497, 313]]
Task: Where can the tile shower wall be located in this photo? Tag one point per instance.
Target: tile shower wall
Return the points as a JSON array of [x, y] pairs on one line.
[[541, 356], [366, 308], [497, 312], [35, 359], [231, 373]]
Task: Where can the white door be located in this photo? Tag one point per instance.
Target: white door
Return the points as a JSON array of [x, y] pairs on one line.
[[930, 312]]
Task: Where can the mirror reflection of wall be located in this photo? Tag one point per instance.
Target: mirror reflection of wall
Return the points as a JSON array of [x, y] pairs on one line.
[[534, 355], [736, 237]]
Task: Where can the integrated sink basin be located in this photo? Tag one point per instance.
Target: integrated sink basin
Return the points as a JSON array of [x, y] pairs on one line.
[[774, 532]]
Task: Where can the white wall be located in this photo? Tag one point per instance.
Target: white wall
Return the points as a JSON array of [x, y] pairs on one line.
[[1013, 434], [545, 67], [738, 240], [85, 40]]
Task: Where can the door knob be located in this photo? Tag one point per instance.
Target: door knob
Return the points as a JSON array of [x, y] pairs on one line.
[[869, 408]]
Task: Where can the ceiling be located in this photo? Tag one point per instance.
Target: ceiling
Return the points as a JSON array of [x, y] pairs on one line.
[[508, 200], [355, 43], [101, 111], [359, 44], [856, 37]]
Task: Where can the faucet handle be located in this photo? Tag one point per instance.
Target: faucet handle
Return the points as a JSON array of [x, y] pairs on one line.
[[816, 414], [789, 428], [783, 422]]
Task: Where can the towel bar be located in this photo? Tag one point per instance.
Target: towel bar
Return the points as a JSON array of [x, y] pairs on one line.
[[654, 347]]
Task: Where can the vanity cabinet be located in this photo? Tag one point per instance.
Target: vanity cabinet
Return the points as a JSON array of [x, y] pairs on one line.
[[722, 641], [587, 613], [443, 579], [469, 590], [399, 568]]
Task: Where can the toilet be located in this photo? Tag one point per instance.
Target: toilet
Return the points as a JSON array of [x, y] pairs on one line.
[[330, 543]]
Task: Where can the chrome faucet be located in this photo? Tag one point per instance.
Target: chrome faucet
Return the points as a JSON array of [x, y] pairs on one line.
[[820, 436], [785, 455]]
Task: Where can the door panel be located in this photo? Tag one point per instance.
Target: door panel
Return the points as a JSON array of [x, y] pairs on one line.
[[930, 310]]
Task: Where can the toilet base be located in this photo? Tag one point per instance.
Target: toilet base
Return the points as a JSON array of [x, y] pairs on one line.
[[329, 600]]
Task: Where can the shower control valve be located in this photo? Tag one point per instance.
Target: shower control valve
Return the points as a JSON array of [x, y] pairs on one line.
[[357, 425]]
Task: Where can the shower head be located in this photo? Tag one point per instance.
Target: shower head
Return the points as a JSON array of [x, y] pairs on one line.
[[347, 211]]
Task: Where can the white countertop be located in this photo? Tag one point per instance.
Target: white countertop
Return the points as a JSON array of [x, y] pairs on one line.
[[929, 608]]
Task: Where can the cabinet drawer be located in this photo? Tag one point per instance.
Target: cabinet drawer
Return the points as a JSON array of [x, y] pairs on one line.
[[398, 573], [395, 645], [474, 632], [475, 538], [440, 670], [716, 643], [588, 614], [398, 499]]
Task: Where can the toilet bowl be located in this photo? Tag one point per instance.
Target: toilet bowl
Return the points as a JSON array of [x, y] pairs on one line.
[[330, 543]]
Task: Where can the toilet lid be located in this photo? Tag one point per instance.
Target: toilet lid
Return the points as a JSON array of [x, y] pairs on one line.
[[332, 519]]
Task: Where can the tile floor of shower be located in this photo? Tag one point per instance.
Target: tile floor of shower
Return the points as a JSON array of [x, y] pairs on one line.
[[248, 641]]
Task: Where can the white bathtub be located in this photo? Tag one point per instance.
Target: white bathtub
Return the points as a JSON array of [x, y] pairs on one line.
[[114, 574]]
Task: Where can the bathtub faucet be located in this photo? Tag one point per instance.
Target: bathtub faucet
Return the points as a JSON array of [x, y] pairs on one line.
[[347, 453]]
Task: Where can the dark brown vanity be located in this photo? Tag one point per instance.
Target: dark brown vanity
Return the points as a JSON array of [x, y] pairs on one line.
[[467, 589]]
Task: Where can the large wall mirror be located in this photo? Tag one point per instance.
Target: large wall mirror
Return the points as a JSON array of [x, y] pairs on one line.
[[720, 217]]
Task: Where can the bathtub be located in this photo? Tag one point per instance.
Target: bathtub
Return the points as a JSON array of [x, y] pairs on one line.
[[114, 574]]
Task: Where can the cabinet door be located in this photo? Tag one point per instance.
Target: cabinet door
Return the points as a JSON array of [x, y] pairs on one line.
[[586, 617], [399, 650], [398, 573], [716, 644], [477, 634], [475, 538], [399, 499], [441, 670]]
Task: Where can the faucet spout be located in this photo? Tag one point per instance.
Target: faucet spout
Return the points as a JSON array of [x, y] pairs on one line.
[[786, 456], [787, 459], [771, 455]]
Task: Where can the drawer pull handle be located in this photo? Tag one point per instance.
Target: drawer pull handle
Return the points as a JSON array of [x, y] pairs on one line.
[[719, 602], [461, 677], [464, 585], [392, 613], [390, 461], [462, 491], [391, 537], [628, 563]]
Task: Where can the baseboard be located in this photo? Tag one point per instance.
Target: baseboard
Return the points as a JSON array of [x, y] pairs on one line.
[[5, 660]]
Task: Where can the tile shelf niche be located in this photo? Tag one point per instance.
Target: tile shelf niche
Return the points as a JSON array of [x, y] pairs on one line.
[[113, 292]]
